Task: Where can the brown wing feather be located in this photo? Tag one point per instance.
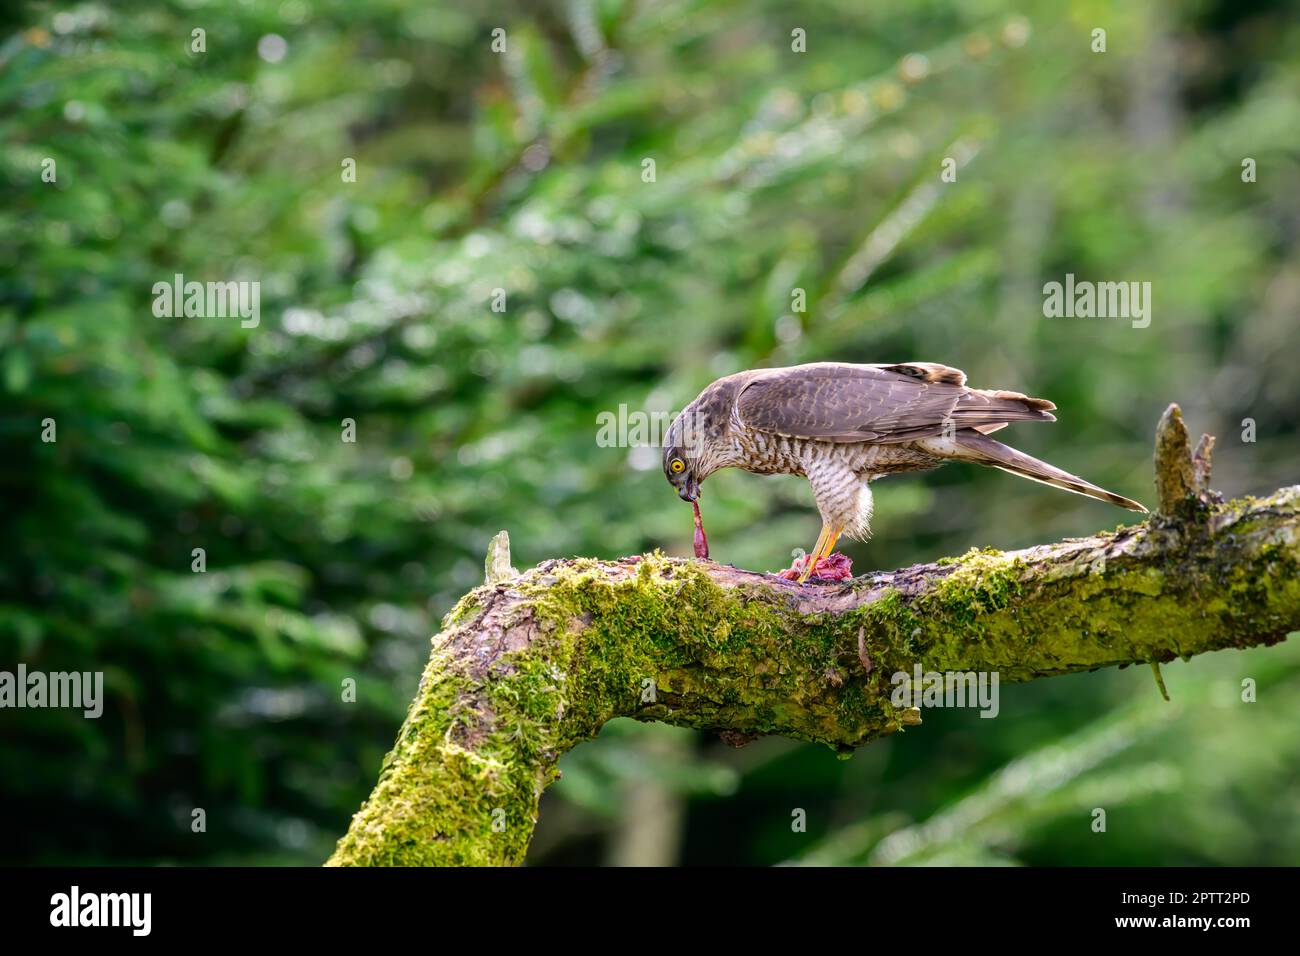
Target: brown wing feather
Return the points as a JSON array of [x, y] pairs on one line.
[[882, 403]]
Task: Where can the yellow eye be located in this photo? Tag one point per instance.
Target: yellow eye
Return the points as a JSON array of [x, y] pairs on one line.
[[677, 465]]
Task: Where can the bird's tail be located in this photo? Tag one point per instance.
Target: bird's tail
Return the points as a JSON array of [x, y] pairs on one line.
[[985, 450]]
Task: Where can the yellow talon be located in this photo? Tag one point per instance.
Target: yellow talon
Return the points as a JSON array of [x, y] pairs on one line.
[[824, 546], [813, 556]]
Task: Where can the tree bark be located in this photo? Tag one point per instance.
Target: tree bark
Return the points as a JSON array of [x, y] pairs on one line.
[[526, 668]]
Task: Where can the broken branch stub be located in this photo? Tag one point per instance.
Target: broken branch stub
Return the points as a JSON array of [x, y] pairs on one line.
[[1182, 478]]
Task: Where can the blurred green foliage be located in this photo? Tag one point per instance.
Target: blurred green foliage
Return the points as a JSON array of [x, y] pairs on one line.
[[523, 171]]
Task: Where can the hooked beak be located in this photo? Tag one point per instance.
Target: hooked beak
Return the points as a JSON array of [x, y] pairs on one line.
[[689, 491]]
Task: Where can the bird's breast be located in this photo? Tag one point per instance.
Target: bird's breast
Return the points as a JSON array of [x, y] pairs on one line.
[[765, 454]]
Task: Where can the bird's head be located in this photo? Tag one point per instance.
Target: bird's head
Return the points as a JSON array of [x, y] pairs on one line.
[[682, 456], [680, 474]]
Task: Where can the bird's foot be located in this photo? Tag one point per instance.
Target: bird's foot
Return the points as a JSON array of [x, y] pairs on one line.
[[833, 567]]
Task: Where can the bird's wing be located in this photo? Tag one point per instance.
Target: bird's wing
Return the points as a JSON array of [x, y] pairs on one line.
[[882, 403]]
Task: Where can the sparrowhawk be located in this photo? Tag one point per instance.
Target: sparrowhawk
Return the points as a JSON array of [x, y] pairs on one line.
[[842, 426]]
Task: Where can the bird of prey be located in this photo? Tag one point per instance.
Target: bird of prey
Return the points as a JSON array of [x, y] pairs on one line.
[[842, 426]]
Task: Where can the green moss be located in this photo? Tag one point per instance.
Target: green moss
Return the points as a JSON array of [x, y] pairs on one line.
[[465, 608]]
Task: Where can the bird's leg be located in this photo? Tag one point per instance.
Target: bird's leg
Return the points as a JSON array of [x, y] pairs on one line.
[[825, 545], [810, 558], [830, 545]]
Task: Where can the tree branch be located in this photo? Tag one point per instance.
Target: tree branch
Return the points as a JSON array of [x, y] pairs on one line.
[[528, 667]]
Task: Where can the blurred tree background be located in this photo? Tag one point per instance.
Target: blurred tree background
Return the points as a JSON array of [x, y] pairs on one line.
[[523, 170]]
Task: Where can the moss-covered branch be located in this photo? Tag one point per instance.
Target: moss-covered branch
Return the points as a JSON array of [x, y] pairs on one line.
[[528, 667]]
